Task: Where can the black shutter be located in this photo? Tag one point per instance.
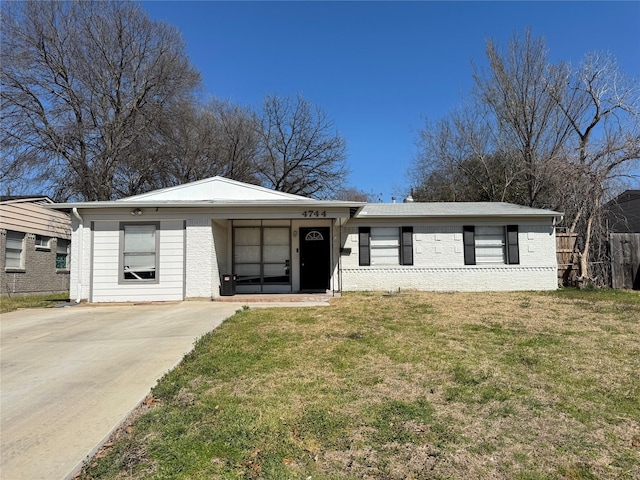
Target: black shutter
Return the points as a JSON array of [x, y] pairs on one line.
[[468, 234], [513, 253], [406, 246], [363, 245]]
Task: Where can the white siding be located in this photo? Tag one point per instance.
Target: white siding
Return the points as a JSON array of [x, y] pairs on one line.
[[106, 261], [439, 261]]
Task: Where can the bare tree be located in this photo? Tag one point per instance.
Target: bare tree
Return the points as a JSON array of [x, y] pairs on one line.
[[301, 152], [237, 140], [201, 141], [460, 158], [515, 92], [541, 135], [82, 84], [602, 107], [353, 194]]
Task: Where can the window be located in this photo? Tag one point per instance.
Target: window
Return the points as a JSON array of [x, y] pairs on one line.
[[62, 254], [491, 245], [385, 245], [43, 243], [262, 255], [314, 236], [139, 245], [14, 249]]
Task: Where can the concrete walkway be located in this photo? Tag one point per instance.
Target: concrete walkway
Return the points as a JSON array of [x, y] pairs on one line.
[[69, 376]]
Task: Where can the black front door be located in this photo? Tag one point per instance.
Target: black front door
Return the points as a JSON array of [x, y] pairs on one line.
[[315, 258]]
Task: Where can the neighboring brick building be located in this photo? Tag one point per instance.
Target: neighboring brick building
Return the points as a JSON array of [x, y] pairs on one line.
[[35, 246]]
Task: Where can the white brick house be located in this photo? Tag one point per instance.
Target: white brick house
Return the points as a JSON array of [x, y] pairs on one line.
[[184, 242]]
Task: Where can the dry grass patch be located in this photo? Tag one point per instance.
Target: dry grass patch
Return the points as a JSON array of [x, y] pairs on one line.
[[14, 302], [410, 386]]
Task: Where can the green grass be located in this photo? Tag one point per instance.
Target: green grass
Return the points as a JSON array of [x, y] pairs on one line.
[[598, 295], [410, 386], [9, 304]]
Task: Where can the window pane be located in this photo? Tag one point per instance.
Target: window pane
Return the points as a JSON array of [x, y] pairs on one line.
[[247, 254], [276, 236], [261, 255], [276, 274], [139, 257], [13, 250], [247, 236], [384, 256], [277, 254], [490, 255], [140, 266], [385, 236], [42, 242], [63, 246], [385, 246], [14, 240], [62, 254], [13, 258], [139, 238], [490, 245], [61, 261], [247, 274]]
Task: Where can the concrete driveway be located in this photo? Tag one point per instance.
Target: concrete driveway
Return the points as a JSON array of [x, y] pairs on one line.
[[70, 375]]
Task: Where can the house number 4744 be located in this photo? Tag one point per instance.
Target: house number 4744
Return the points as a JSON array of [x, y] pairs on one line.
[[314, 213]]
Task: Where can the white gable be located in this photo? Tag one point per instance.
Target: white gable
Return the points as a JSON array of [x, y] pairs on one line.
[[214, 188]]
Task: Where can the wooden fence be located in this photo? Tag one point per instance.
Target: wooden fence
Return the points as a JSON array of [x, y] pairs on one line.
[[625, 260], [567, 266]]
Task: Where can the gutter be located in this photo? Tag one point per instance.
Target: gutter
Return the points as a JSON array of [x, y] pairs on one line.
[[557, 219], [80, 252]]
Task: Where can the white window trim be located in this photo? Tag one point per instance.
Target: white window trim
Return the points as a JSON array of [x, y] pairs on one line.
[[47, 246], [22, 253]]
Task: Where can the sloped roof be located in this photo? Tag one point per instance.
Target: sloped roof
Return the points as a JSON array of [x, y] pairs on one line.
[[212, 189], [217, 192], [452, 209], [623, 212]]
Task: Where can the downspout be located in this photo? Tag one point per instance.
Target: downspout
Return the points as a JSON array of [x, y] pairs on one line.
[[80, 242], [340, 257]]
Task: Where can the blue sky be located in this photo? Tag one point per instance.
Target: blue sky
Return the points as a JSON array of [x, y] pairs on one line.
[[379, 68]]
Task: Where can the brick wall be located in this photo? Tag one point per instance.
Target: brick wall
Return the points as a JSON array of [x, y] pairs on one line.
[[199, 258], [39, 274], [438, 265]]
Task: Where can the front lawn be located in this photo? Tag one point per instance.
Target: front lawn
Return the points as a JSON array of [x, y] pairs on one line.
[[410, 386]]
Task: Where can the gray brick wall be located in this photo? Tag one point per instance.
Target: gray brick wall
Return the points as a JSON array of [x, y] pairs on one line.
[[39, 274]]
